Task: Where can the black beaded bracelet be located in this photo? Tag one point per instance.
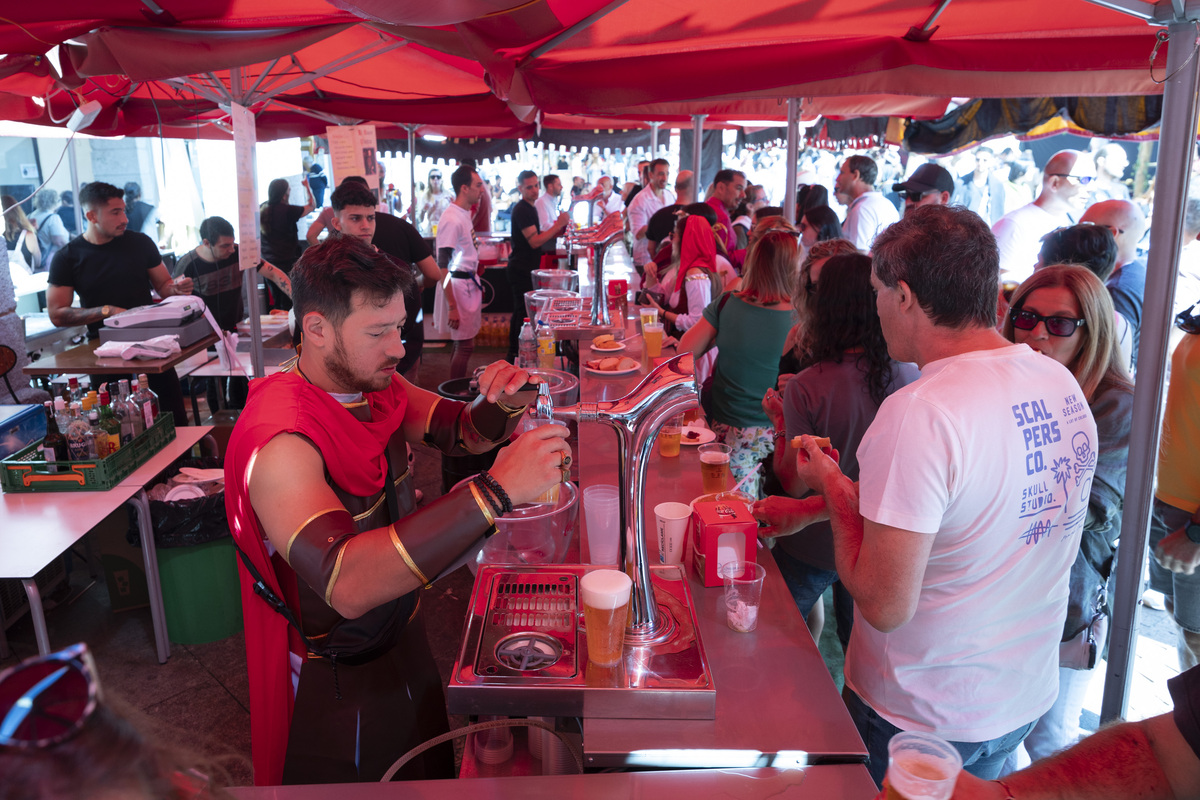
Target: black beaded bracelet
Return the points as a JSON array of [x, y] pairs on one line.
[[484, 489], [498, 490]]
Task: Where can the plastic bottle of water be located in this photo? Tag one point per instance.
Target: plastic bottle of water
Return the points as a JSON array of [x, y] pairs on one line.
[[527, 354]]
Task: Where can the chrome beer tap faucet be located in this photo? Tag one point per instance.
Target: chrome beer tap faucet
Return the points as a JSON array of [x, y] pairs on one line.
[[668, 390]]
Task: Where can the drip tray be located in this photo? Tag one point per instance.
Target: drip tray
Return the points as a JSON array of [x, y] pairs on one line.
[[525, 652]]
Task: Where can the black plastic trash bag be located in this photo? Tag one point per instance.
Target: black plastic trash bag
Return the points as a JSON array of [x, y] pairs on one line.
[[188, 522]]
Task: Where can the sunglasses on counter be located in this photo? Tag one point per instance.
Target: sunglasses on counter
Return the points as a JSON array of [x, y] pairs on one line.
[[1055, 326], [47, 699]]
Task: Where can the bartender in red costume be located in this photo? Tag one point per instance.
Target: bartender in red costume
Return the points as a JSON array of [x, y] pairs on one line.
[[333, 551]]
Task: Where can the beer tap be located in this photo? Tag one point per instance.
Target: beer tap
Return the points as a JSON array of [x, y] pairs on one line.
[[668, 390]]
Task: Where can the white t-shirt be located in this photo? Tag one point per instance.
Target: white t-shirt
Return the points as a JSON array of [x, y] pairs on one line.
[[455, 230], [639, 213], [614, 204], [547, 208], [1019, 236], [867, 215], [992, 453]]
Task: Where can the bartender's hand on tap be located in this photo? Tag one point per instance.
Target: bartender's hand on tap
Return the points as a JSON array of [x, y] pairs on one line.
[[563, 221], [500, 380], [533, 463]]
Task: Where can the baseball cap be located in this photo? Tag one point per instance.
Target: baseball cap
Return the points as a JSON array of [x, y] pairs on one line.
[[927, 178]]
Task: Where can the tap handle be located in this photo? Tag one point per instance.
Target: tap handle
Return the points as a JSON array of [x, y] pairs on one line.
[[545, 405]]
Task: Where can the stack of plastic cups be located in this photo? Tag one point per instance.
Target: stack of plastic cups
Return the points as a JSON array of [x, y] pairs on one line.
[[493, 746], [602, 510]]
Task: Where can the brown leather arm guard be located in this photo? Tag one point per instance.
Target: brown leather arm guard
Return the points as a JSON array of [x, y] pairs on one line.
[[457, 428], [315, 550], [431, 539]]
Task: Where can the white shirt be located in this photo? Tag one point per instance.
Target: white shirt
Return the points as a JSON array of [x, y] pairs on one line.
[[455, 230], [992, 453], [614, 204], [547, 208], [867, 215], [1019, 236], [639, 213]]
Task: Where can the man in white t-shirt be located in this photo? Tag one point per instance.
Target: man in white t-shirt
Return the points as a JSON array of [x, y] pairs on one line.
[[868, 212], [609, 202], [1065, 189], [655, 196], [458, 303], [957, 542]]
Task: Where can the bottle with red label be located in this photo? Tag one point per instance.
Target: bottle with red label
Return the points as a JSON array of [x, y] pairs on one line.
[[146, 401]]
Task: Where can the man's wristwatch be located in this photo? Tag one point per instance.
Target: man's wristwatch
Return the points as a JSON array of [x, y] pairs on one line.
[[1192, 531], [105, 312]]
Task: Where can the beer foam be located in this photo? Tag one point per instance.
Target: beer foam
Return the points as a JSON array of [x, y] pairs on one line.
[[605, 589], [714, 458]]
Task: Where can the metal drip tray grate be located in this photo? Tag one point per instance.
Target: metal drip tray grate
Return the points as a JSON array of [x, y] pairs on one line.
[[525, 652]]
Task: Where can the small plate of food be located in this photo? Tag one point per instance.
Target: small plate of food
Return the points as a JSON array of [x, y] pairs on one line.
[[607, 344], [612, 366], [696, 435]]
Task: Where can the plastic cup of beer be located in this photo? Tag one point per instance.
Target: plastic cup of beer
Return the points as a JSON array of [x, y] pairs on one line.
[[921, 766], [653, 336], [551, 494], [671, 521], [648, 316], [714, 467], [743, 593], [605, 596], [668, 438]]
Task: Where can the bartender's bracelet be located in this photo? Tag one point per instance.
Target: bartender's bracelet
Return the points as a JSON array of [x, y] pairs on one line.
[[496, 489]]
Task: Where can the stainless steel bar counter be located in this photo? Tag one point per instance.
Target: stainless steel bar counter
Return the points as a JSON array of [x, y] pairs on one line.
[[842, 781], [776, 704]]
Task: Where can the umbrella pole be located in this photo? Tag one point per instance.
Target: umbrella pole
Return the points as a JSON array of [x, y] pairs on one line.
[[697, 152], [412, 173], [1175, 148], [793, 155]]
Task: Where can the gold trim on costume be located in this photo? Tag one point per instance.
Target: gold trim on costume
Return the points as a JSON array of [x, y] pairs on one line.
[[511, 411], [374, 507], [403, 475], [337, 568], [355, 404], [412, 566], [287, 552], [429, 417], [479, 501]]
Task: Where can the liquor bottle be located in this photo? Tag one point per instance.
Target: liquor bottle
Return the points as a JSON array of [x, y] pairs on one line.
[[54, 446], [77, 432], [110, 423], [126, 414], [146, 401], [73, 392], [96, 437], [61, 414]]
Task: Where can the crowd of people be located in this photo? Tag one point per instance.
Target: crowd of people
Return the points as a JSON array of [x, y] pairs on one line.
[[971, 364]]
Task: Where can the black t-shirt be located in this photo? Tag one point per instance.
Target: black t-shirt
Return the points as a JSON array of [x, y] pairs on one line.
[[637, 187], [524, 215], [137, 213], [67, 215], [280, 239], [1185, 691], [219, 285], [107, 274], [403, 242]]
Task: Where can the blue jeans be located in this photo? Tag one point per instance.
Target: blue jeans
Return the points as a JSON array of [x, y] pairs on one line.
[[807, 583], [982, 759]]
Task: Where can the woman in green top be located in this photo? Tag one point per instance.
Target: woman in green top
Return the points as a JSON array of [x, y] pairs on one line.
[[748, 328]]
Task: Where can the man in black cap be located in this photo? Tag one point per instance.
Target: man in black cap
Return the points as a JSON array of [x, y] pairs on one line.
[[929, 185]]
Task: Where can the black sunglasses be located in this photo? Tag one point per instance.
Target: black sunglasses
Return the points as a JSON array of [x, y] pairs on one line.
[[1188, 320], [431, 177], [1055, 326], [47, 699], [915, 197]]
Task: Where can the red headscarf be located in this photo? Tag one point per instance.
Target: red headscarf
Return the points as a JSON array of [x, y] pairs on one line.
[[698, 249]]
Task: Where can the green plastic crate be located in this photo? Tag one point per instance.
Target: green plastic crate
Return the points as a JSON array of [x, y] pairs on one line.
[[25, 471]]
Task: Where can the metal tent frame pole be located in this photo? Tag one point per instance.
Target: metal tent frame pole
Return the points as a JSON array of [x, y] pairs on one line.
[[793, 155], [697, 152], [1176, 149], [250, 276], [654, 126], [412, 173]]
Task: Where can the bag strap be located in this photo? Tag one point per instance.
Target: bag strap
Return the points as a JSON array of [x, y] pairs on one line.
[[276, 602]]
